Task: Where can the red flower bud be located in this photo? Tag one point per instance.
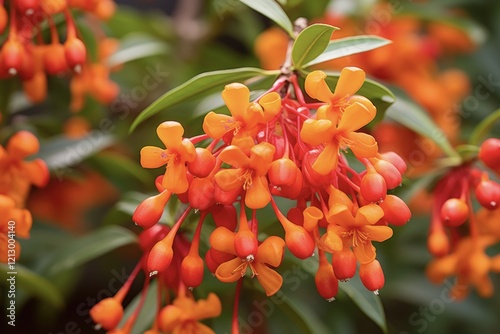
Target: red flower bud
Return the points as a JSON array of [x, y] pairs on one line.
[[225, 215], [490, 153], [107, 313], [27, 7], [372, 276], [149, 212], [246, 243], [344, 264], [488, 194], [201, 193], [76, 53], [396, 160], [454, 212], [148, 238], [373, 187], [203, 163], [396, 212], [298, 241], [389, 172], [225, 197], [192, 270], [438, 243], [326, 282], [12, 56], [311, 176], [54, 59], [160, 257], [282, 172]]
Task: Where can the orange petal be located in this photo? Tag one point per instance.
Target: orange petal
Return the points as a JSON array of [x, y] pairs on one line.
[[244, 141], [37, 172], [271, 103], [230, 179], [22, 144], [202, 329], [362, 145], [332, 241], [253, 116], [216, 125], [338, 196], [208, 308], [271, 251], [258, 195], [237, 97], [261, 157], [234, 156], [153, 157], [311, 216], [170, 317], [222, 239], [186, 150], [170, 133], [228, 272], [378, 233], [341, 215], [270, 280], [328, 113], [316, 132], [327, 160], [369, 214], [316, 86], [365, 253], [354, 118], [175, 179], [350, 81], [364, 101]]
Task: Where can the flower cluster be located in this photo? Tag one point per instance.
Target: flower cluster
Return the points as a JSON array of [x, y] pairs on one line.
[[26, 54], [276, 146], [16, 178], [461, 251]]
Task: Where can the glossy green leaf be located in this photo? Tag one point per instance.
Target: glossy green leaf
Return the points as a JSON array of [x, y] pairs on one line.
[[302, 316], [310, 43], [366, 300], [199, 86], [414, 117], [380, 95], [347, 46], [273, 11], [482, 129], [89, 247], [60, 152], [33, 284]]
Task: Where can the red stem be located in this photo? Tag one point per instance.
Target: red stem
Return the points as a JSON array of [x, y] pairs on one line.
[[235, 328]]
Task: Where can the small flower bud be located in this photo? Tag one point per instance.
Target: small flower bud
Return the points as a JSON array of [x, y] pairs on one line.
[[201, 193], [245, 243], [489, 153], [396, 160], [389, 172], [396, 212], [326, 282], [160, 257], [225, 215], [372, 276], [373, 187], [107, 313], [27, 7], [488, 194], [299, 242], [192, 270], [282, 172], [149, 212], [12, 56], [148, 238], [76, 53], [438, 243], [203, 163], [54, 59], [454, 212], [344, 264]]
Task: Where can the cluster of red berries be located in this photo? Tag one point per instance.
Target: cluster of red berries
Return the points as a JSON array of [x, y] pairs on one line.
[[274, 146], [449, 241], [25, 53]]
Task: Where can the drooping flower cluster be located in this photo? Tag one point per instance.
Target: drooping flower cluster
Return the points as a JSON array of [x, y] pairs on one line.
[[27, 55], [461, 251], [278, 145], [16, 178]]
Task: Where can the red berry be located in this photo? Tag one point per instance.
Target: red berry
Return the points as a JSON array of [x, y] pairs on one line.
[[490, 153], [488, 194], [454, 212]]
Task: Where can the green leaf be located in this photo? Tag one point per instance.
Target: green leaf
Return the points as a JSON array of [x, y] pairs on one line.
[[271, 10], [148, 311], [366, 300], [199, 86], [347, 46], [414, 117], [482, 129], [136, 47], [33, 284], [302, 316], [310, 43], [89, 247], [60, 152], [380, 95]]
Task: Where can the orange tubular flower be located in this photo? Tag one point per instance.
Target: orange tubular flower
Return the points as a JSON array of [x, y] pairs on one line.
[[245, 116], [358, 230], [249, 173], [269, 253], [184, 314], [178, 151], [336, 122]]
